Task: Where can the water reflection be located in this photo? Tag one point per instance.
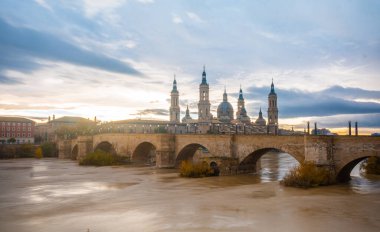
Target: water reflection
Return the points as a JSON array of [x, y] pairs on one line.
[[363, 183], [274, 166]]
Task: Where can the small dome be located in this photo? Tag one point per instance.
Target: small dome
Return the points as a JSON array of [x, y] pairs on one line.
[[225, 112], [260, 120]]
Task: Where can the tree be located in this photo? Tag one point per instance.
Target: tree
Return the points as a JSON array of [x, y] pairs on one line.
[[11, 140]]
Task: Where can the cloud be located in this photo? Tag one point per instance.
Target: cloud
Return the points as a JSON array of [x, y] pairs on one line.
[[176, 19], [146, 1], [22, 43], [159, 112], [194, 17], [30, 107], [331, 101], [43, 4], [92, 8], [7, 80]]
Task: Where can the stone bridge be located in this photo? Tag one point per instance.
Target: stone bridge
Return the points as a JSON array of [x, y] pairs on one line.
[[231, 153]]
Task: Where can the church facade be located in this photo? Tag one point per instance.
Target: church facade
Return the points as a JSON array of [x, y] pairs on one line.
[[226, 121]]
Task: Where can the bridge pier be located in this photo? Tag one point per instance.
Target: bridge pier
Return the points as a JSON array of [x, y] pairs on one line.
[[64, 149], [165, 159], [85, 146]]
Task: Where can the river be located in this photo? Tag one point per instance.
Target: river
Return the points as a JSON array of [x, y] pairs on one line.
[[58, 195]]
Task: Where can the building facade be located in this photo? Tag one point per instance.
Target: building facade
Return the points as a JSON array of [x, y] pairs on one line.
[[66, 126], [16, 130]]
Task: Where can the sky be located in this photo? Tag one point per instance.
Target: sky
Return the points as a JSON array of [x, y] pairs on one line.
[[115, 59]]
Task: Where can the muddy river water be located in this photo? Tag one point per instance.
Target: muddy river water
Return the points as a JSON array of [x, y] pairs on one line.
[[58, 195]]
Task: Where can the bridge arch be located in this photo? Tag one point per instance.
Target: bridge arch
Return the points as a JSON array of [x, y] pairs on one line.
[[248, 164], [145, 153], [343, 174], [74, 152], [188, 152], [105, 146]]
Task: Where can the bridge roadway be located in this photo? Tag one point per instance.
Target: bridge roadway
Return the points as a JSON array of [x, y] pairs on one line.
[[232, 153]]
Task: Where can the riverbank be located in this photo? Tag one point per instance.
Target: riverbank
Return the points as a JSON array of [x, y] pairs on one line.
[[59, 195]]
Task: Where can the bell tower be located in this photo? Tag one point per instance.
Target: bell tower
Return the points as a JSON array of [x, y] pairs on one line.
[[240, 103], [272, 111], [204, 114], [174, 104]]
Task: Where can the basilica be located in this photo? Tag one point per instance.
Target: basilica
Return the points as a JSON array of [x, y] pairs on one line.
[[226, 121]]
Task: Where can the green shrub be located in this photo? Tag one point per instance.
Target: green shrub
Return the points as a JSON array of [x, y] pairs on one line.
[[372, 165], [102, 158], [49, 149], [307, 175], [11, 151], [25, 151], [195, 170]]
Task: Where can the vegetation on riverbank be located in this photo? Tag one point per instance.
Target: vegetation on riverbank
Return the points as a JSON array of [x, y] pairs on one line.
[[49, 149], [11, 151], [307, 175], [38, 153], [195, 170], [102, 158], [372, 165]]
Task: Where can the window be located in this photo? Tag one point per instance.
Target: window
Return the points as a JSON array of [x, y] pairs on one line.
[[29, 124], [23, 134], [13, 134], [29, 135], [24, 129], [18, 124], [13, 124], [8, 123], [8, 128], [23, 123], [18, 128], [8, 135], [3, 123], [29, 129], [18, 134], [13, 129]]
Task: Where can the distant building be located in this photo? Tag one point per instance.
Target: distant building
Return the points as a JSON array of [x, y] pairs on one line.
[[375, 134], [17, 129], [224, 122], [322, 131], [47, 131]]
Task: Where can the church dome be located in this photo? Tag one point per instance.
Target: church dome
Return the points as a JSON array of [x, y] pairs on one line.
[[260, 120], [225, 112]]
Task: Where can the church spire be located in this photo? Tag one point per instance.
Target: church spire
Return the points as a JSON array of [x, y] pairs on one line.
[[272, 88], [241, 94], [187, 111], [174, 90], [204, 81], [260, 113], [225, 94]]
